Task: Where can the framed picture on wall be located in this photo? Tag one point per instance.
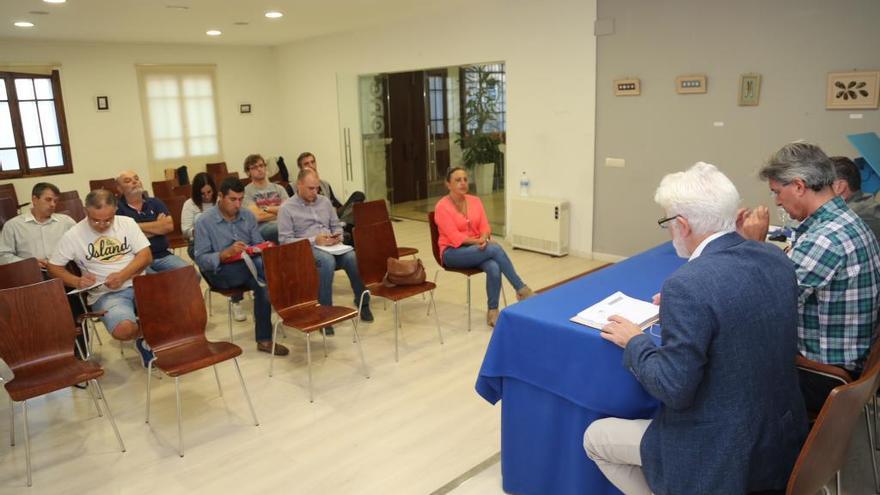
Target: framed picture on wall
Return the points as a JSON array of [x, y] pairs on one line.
[[852, 90], [749, 90], [102, 103]]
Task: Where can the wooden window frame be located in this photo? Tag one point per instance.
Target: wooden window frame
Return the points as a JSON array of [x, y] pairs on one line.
[[24, 170]]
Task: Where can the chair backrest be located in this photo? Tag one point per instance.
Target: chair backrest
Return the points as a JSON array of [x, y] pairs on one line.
[[20, 273], [175, 206], [8, 191], [170, 307], [217, 170], [108, 184], [824, 452], [72, 207], [291, 275], [163, 188], [68, 195], [35, 324], [435, 238], [371, 212], [184, 190], [8, 209], [374, 244]]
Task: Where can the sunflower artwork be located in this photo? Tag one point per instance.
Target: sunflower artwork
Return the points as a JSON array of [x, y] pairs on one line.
[[852, 90]]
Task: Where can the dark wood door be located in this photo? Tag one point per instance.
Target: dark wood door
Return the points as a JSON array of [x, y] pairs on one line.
[[408, 129]]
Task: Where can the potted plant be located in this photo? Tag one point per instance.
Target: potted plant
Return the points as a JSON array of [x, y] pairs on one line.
[[479, 146]]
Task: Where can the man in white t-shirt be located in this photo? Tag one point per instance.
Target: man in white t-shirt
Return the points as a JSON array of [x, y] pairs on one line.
[[109, 251], [263, 198]]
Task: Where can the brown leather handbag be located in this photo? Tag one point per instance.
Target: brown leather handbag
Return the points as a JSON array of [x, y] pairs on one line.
[[403, 272]]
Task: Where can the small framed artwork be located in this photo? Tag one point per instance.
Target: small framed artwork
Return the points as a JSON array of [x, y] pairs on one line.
[[244, 108], [749, 90], [102, 103], [690, 84], [852, 90], [627, 87]]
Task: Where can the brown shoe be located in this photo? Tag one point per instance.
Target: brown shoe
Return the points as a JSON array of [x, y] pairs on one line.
[[266, 346], [491, 317], [524, 293]]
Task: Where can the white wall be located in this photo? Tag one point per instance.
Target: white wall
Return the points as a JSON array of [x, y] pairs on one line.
[[104, 143], [549, 51]]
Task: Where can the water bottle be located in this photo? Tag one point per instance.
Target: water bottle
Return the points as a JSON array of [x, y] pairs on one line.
[[524, 184]]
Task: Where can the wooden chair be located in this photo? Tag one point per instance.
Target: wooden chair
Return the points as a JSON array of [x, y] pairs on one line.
[[184, 191], [68, 195], [824, 452], [842, 376], [8, 210], [35, 333], [8, 191], [467, 272], [370, 212], [374, 244], [108, 184], [20, 273], [176, 239], [71, 207], [164, 188], [293, 291], [173, 323]]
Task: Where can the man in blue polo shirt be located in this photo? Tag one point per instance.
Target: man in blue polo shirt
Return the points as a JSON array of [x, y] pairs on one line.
[[152, 216]]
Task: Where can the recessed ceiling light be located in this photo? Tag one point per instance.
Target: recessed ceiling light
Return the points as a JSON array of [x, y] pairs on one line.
[[23, 24], [54, 1], [177, 7], [213, 32], [38, 12], [274, 14], [241, 23]]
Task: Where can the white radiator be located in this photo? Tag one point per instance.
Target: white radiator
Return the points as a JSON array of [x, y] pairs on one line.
[[540, 224]]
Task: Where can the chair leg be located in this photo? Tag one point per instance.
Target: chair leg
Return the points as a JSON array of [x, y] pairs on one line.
[[396, 330], [11, 423], [360, 307], [229, 317], [357, 338], [469, 302], [96, 333], [324, 342], [246, 394], [876, 419], [837, 475], [272, 354], [179, 425], [436, 318], [149, 379], [208, 301], [503, 295], [871, 448], [95, 400], [309, 359], [27, 443], [109, 414], [436, 274], [217, 377]]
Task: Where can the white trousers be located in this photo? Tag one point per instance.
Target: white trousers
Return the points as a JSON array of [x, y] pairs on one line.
[[613, 444]]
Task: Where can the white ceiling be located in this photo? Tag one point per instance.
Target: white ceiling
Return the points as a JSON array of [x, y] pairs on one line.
[[151, 21]]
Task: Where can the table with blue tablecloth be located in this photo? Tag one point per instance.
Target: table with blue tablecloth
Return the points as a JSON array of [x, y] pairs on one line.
[[554, 377]]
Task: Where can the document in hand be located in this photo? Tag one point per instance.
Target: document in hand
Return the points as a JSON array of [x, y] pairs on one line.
[[642, 313], [335, 249]]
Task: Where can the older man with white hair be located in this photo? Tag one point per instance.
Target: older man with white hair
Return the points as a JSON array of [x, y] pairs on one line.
[[731, 419]]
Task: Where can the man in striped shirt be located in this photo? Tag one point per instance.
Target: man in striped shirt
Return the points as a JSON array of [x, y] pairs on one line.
[[837, 260]]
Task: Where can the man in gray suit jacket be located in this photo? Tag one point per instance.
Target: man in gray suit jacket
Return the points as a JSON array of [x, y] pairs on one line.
[[731, 419]]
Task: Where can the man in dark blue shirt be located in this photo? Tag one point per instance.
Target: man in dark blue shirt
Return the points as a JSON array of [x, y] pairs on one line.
[[152, 216]]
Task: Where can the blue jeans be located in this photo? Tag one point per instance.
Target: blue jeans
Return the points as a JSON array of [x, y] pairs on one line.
[[327, 265], [269, 231], [167, 262], [236, 275], [492, 260]]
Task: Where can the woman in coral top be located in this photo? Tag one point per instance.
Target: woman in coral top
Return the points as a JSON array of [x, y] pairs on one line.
[[465, 240]]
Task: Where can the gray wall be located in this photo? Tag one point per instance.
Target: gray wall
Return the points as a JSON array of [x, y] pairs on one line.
[[793, 44]]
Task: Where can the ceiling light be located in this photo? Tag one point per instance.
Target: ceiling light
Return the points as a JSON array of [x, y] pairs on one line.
[[274, 14], [241, 23], [177, 7], [54, 1], [38, 12], [213, 32], [23, 24]]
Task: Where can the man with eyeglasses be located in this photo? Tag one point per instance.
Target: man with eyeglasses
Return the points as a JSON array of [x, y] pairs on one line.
[[109, 250], [837, 260], [263, 198], [731, 419]]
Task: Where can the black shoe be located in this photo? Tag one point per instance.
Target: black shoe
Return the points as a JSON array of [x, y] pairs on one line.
[[366, 314], [329, 332]]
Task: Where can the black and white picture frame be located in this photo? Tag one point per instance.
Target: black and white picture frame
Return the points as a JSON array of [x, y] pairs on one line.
[[102, 103]]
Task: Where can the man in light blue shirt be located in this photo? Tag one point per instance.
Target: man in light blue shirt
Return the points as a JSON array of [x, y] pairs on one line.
[[223, 232], [310, 216]]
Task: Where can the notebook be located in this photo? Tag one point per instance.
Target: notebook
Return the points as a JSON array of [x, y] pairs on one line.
[[642, 313]]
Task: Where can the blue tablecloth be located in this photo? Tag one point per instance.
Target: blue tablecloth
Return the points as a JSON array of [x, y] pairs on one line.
[[555, 377]]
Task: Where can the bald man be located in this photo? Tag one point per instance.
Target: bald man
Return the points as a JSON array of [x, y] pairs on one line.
[[152, 216]]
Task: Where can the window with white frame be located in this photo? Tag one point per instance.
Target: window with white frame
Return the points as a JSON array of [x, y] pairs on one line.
[[180, 112]]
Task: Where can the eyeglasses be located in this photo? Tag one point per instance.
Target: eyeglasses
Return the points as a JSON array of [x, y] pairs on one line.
[[101, 222], [663, 223]]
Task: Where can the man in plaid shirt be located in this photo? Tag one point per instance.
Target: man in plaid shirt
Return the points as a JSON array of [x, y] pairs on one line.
[[837, 260]]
